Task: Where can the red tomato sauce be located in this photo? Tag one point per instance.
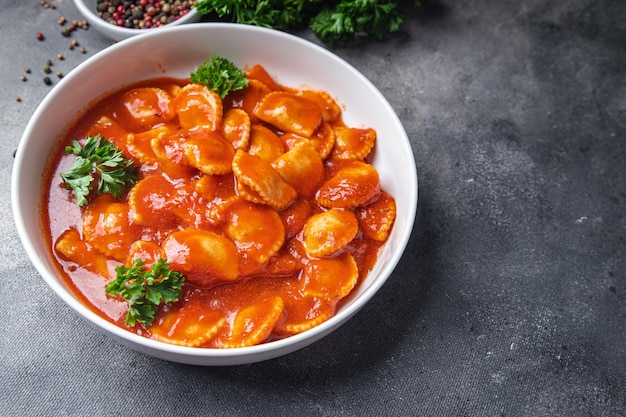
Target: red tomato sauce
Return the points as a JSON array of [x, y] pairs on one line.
[[264, 201]]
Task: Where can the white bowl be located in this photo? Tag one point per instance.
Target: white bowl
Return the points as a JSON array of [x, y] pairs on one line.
[[175, 52], [88, 9]]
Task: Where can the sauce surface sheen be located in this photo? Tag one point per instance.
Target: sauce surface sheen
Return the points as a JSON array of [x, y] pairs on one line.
[[264, 201]]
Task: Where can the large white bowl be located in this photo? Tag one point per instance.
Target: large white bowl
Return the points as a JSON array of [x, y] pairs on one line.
[[176, 52], [88, 9]]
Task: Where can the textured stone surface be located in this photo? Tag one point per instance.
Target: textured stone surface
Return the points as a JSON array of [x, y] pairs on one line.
[[510, 299]]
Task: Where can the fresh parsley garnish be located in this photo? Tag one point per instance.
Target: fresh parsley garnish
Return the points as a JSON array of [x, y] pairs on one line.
[[275, 14], [145, 289], [220, 75], [348, 18], [99, 157], [330, 20]]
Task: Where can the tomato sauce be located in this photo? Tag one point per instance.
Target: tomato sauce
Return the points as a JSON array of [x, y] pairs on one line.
[[264, 201]]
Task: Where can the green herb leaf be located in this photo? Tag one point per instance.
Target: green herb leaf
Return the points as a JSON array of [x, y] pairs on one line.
[[98, 156], [330, 20], [220, 75], [145, 289], [352, 17]]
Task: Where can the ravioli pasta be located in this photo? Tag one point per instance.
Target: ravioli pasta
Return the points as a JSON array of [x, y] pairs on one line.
[[265, 201]]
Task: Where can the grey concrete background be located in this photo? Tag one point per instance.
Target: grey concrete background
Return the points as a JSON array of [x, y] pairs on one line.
[[510, 300]]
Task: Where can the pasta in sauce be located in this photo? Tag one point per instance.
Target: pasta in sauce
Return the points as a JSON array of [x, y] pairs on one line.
[[264, 201]]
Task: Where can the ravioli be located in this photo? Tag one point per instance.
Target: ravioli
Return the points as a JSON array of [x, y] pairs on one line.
[[264, 201]]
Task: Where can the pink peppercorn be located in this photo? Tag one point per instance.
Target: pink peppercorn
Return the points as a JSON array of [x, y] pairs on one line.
[[40, 36]]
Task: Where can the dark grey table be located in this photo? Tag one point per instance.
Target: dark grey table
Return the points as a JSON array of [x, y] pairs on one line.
[[510, 299]]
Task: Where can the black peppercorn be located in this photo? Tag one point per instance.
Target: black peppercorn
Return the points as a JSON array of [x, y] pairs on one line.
[[140, 14]]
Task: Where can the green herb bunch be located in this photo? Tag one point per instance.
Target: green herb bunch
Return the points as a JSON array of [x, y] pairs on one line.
[[145, 289], [331, 21], [98, 156], [220, 75]]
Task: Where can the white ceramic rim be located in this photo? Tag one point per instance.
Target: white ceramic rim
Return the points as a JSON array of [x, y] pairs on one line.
[[211, 356]]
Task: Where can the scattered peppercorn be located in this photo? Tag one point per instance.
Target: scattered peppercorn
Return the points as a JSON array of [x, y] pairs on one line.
[[83, 50], [40, 36], [47, 81], [60, 57], [46, 69], [67, 30], [74, 42], [62, 20], [18, 99], [27, 70], [23, 78], [70, 46], [49, 62], [59, 74]]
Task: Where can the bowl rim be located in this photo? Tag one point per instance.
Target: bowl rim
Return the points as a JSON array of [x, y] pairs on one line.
[[194, 355]]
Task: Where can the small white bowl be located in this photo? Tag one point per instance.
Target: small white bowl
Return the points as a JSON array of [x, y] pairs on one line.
[[88, 9], [175, 52]]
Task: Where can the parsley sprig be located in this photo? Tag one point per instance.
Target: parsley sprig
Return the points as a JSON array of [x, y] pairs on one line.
[[98, 156], [330, 20], [349, 18], [145, 289], [276, 14], [220, 75]]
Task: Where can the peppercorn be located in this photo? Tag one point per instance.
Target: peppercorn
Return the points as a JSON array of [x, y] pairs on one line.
[[27, 70], [62, 20], [59, 74], [140, 14], [49, 62], [46, 69], [47, 81], [60, 57], [18, 99], [83, 50], [23, 78], [40, 36]]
